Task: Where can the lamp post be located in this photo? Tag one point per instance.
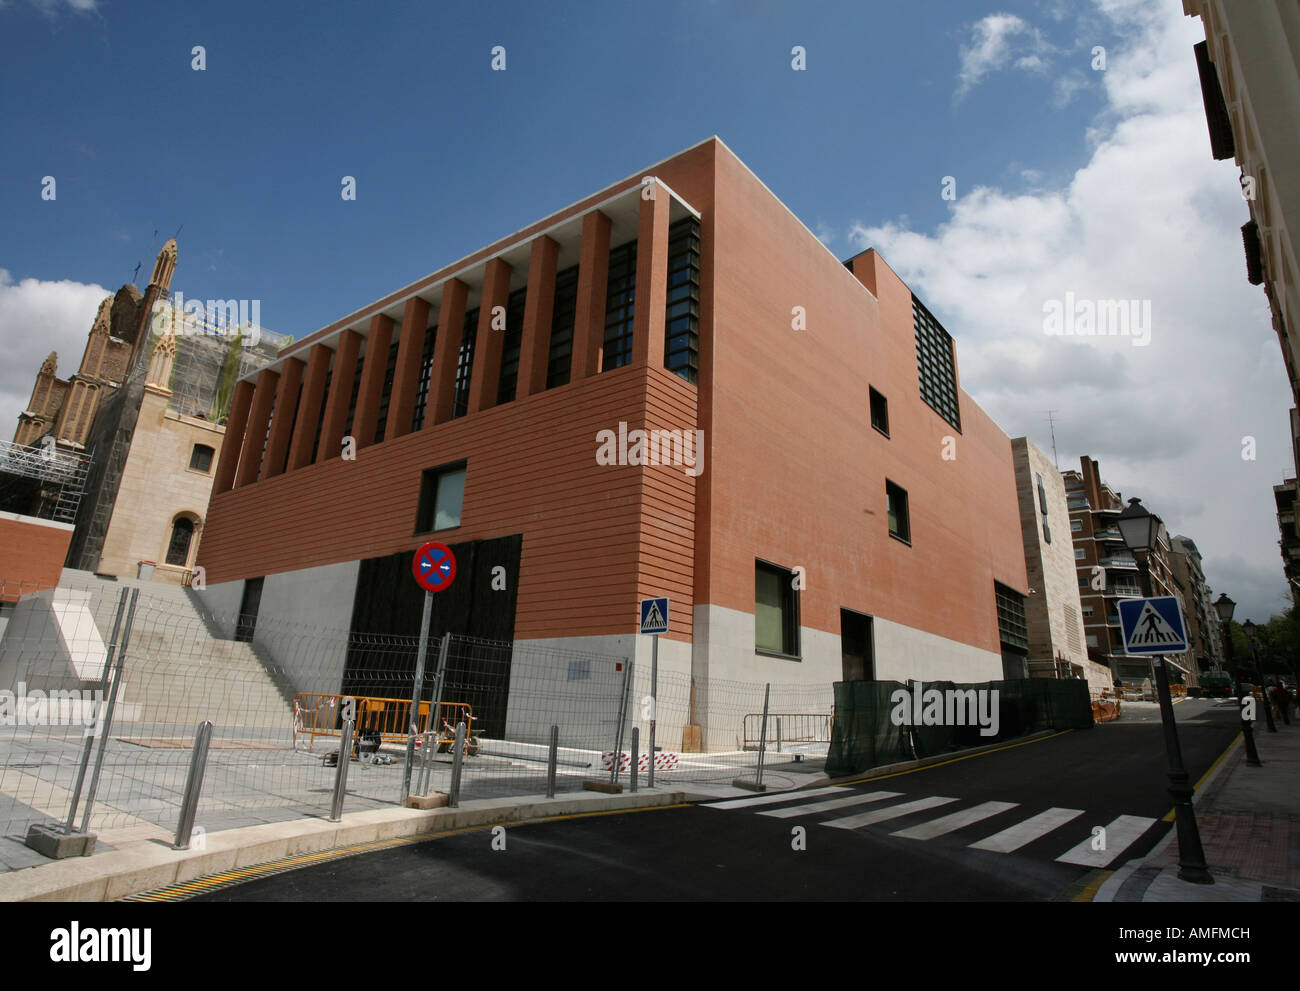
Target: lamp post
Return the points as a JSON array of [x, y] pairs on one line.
[[1224, 606], [1250, 629], [1141, 532]]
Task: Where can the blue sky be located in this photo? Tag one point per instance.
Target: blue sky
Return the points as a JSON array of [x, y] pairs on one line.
[[1068, 179]]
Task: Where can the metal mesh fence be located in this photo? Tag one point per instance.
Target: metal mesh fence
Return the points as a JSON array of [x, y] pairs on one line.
[[99, 711]]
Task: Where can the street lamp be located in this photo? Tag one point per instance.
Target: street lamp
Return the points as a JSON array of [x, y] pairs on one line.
[[1141, 531], [1224, 606], [1250, 629]]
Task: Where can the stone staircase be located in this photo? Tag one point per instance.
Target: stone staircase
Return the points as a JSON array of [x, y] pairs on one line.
[[179, 671]]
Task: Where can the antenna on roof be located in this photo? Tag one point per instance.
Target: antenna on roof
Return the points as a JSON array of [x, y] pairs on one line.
[[1052, 424]]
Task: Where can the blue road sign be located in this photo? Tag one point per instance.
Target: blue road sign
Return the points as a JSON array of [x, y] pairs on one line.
[[1153, 626], [434, 567], [654, 615]]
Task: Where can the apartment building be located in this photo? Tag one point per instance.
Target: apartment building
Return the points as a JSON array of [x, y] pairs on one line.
[[670, 387], [1107, 571], [1204, 635]]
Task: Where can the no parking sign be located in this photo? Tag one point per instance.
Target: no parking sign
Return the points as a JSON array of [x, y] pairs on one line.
[[434, 567]]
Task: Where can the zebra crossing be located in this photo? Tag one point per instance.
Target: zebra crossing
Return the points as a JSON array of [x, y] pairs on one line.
[[853, 810]]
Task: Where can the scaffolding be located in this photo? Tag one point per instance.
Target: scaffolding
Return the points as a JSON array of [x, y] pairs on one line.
[[60, 478]]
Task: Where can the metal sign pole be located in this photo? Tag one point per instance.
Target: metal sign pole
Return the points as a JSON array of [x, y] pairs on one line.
[[416, 692], [654, 708]]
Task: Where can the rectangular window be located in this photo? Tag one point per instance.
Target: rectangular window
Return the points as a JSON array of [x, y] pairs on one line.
[[1012, 628], [620, 306], [776, 610], [560, 358], [1042, 496], [442, 491], [426, 377], [201, 458], [352, 403], [936, 365], [900, 524], [1083, 582], [681, 332], [324, 405], [1080, 554], [507, 384], [1076, 526], [465, 363], [1087, 611], [1047, 533], [879, 411], [1092, 640]]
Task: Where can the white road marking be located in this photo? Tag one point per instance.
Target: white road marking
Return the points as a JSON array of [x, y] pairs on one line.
[[785, 796], [857, 798], [882, 815], [1120, 834], [956, 820], [1023, 833]]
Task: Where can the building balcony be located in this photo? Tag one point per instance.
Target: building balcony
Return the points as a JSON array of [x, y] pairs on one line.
[[1119, 561], [1110, 535], [1124, 592]]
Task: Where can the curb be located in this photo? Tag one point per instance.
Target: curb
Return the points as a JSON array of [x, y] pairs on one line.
[[885, 770], [153, 864]]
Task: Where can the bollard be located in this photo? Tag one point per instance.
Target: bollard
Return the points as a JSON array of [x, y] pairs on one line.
[[636, 747], [193, 785], [552, 758], [341, 775], [762, 746], [457, 758]]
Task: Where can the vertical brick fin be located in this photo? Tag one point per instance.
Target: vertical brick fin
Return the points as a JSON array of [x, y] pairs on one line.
[[250, 458], [340, 396], [406, 376], [366, 419], [535, 349], [446, 350], [487, 349], [651, 279], [593, 278], [236, 423], [309, 407], [277, 447]]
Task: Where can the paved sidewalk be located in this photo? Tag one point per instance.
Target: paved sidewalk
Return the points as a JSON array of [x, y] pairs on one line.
[[1249, 821]]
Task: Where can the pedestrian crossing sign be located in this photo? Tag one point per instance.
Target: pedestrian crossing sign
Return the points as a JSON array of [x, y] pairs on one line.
[[1153, 626], [654, 615]]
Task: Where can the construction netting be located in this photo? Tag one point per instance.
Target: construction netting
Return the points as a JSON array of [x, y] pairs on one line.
[[884, 722]]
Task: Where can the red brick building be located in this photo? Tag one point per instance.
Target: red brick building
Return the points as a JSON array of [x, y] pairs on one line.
[[846, 510]]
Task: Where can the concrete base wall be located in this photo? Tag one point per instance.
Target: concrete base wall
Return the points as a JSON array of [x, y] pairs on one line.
[[51, 640], [303, 621]]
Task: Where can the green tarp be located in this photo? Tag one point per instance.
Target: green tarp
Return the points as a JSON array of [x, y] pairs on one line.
[[883, 722]]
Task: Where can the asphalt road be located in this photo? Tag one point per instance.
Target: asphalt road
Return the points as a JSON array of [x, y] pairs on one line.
[[1112, 776]]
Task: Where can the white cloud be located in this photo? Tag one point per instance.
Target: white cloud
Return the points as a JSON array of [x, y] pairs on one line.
[[37, 317], [1150, 216], [996, 42]]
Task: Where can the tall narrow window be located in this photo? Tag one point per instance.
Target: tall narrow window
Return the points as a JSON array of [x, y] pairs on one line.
[[936, 364], [320, 420], [390, 371], [426, 376], [620, 306], [776, 610], [465, 363], [508, 382], [900, 524], [681, 331], [201, 457], [560, 358]]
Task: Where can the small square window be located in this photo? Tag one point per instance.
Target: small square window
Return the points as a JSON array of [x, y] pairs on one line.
[[201, 458], [442, 491], [879, 412], [776, 610], [1076, 526], [900, 524]]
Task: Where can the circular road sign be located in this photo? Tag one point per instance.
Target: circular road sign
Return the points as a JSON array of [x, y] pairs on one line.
[[434, 567]]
